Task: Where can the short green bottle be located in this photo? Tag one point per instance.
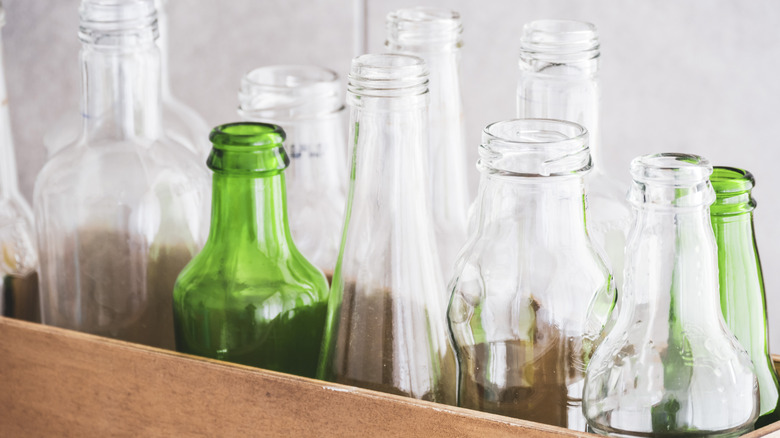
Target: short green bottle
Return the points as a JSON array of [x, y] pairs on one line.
[[741, 283], [249, 296]]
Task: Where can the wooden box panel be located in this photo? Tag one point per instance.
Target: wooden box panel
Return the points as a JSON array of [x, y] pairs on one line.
[[56, 382]]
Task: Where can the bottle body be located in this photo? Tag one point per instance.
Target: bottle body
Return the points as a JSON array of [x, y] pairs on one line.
[[669, 366], [385, 327], [435, 36], [120, 213], [559, 68], [307, 102], [250, 297], [741, 281], [530, 293]]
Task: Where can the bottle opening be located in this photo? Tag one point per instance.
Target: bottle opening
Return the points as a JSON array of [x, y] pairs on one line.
[[388, 75], [534, 148], [671, 180], [732, 191], [248, 148], [117, 22], [566, 40], [423, 28], [289, 91]]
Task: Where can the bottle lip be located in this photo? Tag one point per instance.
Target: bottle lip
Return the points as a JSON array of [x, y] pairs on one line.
[[388, 75], [671, 169], [248, 148], [534, 148], [559, 40], [118, 22], [245, 136], [424, 28], [289, 91], [729, 181]]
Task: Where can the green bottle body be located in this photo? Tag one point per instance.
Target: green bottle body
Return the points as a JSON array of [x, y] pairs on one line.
[[741, 281], [250, 297]]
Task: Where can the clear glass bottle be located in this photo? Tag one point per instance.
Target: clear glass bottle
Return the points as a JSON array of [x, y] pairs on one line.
[[385, 327], [181, 123], [18, 259], [669, 366], [307, 101], [120, 212], [530, 293], [741, 281], [435, 36], [250, 296], [559, 69]]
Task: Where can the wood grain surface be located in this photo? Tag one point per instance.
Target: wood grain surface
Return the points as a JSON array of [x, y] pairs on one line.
[[56, 382]]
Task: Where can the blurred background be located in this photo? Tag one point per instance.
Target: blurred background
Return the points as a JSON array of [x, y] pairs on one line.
[[698, 76]]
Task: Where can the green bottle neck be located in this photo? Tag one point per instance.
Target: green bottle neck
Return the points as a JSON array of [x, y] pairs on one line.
[[250, 210]]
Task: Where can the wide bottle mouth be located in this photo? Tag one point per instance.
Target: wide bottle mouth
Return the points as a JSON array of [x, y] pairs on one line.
[[671, 179], [732, 191], [117, 22], [424, 29], [248, 148], [289, 91], [534, 148], [562, 40], [389, 76]]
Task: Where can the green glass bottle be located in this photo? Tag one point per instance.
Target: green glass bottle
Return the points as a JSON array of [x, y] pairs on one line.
[[249, 296], [741, 282]]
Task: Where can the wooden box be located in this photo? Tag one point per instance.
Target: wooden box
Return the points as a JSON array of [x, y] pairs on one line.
[[56, 382]]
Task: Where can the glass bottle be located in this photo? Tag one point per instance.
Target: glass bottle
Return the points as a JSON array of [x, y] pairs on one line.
[[250, 296], [435, 36], [669, 366], [741, 281], [385, 327], [18, 259], [559, 68], [181, 123], [120, 212], [530, 293], [307, 102]]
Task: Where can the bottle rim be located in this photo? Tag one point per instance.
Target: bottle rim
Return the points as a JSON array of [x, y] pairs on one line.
[[289, 91], [118, 22], [671, 180], [388, 75], [729, 181], [245, 136], [534, 148], [248, 148], [424, 28], [559, 40]]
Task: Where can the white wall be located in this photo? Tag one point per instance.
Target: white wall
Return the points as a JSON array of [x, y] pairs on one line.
[[698, 76]]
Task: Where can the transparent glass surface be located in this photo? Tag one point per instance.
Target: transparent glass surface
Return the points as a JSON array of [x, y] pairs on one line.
[[670, 366], [250, 296], [18, 258], [530, 293], [741, 281], [182, 124], [559, 79], [435, 36], [307, 101], [385, 327], [120, 212]]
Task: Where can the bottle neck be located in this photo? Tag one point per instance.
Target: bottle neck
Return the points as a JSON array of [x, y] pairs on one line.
[[162, 46], [250, 210], [121, 92], [8, 177]]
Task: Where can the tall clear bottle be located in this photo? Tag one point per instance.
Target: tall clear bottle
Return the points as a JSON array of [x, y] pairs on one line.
[[307, 101], [559, 79], [181, 123], [741, 281], [530, 293], [385, 326], [120, 212], [670, 366], [18, 259], [250, 297], [435, 36]]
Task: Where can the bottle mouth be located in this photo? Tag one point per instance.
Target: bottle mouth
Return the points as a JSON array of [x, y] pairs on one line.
[[534, 148], [117, 22], [248, 148], [559, 40], [289, 91], [424, 28], [671, 179], [732, 191], [388, 75]]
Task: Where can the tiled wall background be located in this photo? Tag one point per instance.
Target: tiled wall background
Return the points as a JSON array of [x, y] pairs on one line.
[[699, 76]]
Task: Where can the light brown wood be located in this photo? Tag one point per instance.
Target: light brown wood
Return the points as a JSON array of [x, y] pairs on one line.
[[56, 382]]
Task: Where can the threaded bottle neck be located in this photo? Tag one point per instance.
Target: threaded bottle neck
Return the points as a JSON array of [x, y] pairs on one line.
[[388, 81], [424, 29], [115, 23], [559, 41], [671, 180]]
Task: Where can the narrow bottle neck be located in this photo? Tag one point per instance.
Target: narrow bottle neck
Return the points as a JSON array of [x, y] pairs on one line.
[[121, 92], [250, 210], [8, 177], [162, 45]]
